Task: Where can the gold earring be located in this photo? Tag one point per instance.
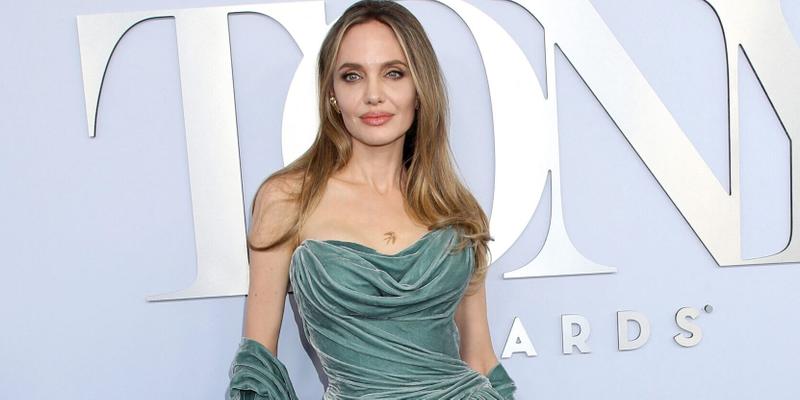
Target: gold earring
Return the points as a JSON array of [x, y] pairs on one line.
[[334, 104]]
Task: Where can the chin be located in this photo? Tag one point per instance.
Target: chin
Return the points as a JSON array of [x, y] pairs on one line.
[[377, 140]]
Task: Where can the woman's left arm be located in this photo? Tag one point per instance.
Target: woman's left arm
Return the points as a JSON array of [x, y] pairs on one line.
[[476, 342], [473, 328]]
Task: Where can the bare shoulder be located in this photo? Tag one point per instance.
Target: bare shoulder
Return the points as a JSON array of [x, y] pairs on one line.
[[274, 216], [275, 209]]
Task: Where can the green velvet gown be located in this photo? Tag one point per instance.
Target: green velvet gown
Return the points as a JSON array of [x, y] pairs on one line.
[[382, 325]]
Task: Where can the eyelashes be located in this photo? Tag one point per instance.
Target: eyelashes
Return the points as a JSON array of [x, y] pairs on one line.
[[398, 75]]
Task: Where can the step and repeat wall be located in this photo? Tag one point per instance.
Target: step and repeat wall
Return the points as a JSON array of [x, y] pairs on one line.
[[637, 159]]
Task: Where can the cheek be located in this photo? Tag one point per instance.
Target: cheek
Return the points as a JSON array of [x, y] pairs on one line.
[[348, 101], [344, 95], [411, 95]]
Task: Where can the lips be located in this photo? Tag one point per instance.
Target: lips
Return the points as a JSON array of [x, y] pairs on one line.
[[376, 118]]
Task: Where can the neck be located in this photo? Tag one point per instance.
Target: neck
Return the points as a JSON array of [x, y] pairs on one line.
[[378, 167]]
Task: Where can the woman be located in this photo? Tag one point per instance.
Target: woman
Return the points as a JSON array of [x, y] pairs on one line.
[[393, 301]]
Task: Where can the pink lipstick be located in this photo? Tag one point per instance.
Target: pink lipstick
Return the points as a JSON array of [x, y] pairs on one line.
[[376, 118]]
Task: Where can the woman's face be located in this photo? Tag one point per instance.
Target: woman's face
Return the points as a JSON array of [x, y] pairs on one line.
[[372, 84]]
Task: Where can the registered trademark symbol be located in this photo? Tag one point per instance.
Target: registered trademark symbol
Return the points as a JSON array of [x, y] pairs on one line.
[[708, 308]]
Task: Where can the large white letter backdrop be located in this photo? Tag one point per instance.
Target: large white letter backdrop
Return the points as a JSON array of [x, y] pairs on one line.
[[637, 159]]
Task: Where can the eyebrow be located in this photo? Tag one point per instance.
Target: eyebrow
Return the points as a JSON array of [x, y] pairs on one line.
[[358, 66]]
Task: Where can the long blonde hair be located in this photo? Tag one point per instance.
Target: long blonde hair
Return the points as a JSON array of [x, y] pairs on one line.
[[434, 194]]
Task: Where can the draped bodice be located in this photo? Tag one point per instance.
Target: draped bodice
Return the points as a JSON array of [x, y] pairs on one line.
[[383, 325]]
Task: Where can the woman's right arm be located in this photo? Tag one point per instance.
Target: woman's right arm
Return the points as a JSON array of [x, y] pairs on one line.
[[269, 269], [256, 372]]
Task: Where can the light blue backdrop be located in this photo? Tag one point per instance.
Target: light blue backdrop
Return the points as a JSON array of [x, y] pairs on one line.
[[88, 228]]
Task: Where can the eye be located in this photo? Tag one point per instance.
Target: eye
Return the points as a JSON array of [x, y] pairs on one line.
[[345, 76], [397, 74]]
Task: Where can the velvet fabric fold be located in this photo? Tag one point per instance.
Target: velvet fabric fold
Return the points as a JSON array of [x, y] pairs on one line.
[[256, 374], [382, 325], [502, 382]]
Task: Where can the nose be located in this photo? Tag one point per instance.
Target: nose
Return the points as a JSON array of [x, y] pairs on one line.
[[374, 94]]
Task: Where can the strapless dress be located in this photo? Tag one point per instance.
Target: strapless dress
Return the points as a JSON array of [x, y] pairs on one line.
[[382, 325]]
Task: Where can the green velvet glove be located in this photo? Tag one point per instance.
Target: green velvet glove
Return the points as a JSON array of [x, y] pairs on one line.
[[501, 382], [258, 375]]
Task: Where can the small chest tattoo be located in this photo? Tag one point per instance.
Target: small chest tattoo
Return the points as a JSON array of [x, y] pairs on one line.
[[390, 237]]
